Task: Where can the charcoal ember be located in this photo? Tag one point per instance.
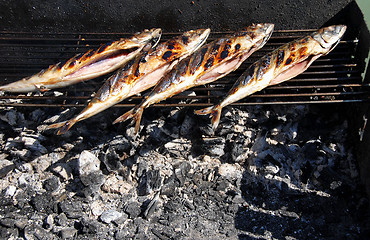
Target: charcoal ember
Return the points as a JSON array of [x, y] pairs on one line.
[[51, 184], [214, 146], [110, 215], [133, 209], [72, 209]]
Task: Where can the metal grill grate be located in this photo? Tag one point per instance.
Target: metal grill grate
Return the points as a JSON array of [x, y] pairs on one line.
[[330, 79]]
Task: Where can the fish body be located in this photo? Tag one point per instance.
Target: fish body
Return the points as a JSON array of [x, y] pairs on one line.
[[284, 63], [140, 74], [92, 64], [208, 64]]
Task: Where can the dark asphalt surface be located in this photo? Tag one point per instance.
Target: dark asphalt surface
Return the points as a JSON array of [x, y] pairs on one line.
[[129, 15]]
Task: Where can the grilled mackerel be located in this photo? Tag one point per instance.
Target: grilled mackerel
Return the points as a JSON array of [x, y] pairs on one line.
[[92, 64], [208, 64], [282, 64], [140, 74]]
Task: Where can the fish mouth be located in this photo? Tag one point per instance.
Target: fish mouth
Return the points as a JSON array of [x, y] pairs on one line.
[[329, 37]]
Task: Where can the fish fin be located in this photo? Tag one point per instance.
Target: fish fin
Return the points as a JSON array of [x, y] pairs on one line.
[[125, 116], [135, 114], [215, 112], [64, 126]]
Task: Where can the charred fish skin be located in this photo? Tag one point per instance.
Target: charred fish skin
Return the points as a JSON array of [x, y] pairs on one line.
[[82, 67], [208, 64], [139, 74], [284, 63]]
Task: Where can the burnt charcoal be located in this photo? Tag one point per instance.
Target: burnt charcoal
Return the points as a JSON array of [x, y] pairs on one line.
[[221, 185], [182, 171], [6, 168], [159, 234], [187, 126], [150, 208], [88, 163], [110, 215], [44, 203], [214, 146], [169, 186], [68, 233], [111, 160], [8, 233], [36, 232], [133, 209], [21, 222], [52, 184], [72, 209], [142, 168], [179, 147], [149, 181], [7, 222], [48, 222], [94, 179], [62, 219]]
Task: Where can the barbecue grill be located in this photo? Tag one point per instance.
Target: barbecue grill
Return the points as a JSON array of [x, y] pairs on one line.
[[340, 79]]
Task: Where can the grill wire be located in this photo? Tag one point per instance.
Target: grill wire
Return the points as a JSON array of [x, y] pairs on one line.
[[335, 78]]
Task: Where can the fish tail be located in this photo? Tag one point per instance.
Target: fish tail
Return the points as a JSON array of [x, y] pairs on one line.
[[64, 126], [125, 116], [135, 114], [215, 112]]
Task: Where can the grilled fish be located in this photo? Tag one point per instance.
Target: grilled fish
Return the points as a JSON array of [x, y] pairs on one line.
[[208, 64], [282, 64], [92, 64], [140, 74]]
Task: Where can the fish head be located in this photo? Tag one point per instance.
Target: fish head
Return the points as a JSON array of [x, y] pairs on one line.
[[190, 41], [193, 39], [259, 33], [329, 37], [148, 36]]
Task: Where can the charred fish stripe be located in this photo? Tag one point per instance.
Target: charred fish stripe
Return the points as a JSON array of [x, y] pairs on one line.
[[280, 57]]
